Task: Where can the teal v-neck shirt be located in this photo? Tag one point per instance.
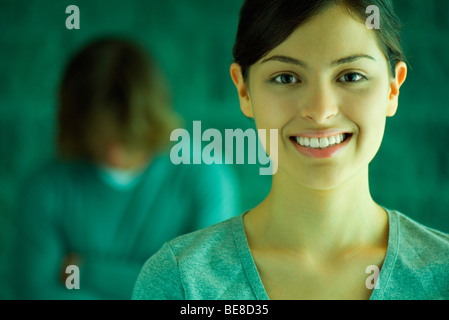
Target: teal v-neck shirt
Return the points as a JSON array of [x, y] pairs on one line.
[[68, 208], [216, 264]]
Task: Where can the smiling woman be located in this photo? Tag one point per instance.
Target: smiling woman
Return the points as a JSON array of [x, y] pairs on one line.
[[327, 83]]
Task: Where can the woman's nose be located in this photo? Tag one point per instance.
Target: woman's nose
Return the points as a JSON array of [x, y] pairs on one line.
[[319, 105]]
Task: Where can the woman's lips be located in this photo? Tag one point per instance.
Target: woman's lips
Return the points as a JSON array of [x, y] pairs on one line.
[[320, 145]]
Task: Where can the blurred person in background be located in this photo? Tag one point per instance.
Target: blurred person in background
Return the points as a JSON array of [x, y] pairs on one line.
[[112, 197]]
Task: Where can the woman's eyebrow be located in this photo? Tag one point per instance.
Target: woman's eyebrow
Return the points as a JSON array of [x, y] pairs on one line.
[[285, 59], [333, 64], [351, 59]]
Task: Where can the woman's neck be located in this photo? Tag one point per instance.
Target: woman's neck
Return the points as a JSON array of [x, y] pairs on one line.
[[302, 219]]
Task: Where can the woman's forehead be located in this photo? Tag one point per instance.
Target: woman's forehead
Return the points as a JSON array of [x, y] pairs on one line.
[[329, 36]]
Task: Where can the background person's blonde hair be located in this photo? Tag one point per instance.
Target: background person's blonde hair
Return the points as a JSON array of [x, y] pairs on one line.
[[112, 90]]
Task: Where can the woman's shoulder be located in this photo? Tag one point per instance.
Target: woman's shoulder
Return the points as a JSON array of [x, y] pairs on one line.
[[418, 260], [194, 265], [417, 234], [218, 238], [420, 248]]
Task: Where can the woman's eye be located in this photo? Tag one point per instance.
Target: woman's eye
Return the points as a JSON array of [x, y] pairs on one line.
[[285, 78], [352, 77]]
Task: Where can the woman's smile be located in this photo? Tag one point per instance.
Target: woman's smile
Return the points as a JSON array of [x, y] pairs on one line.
[[321, 144]]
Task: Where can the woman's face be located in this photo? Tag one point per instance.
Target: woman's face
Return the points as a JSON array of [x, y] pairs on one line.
[[328, 91]]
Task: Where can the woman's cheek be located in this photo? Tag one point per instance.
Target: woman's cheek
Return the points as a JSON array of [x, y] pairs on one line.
[[272, 111], [370, 102], [369, 114]]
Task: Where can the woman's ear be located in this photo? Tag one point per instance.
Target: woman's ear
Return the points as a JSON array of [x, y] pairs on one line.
[[395, 85], [242, 90]]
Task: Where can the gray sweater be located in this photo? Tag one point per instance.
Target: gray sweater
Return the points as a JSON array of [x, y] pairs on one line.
[[216, 264]]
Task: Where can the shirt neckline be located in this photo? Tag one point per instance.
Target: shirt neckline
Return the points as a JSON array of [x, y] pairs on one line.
[[247, 260], [255, 280], [391, 256]]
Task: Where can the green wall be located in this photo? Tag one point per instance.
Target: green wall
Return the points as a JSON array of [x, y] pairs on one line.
[[192, 41]]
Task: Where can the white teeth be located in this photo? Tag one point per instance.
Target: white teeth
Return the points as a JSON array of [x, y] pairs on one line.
[[338, 139], [306, 142], [320, 143], [314, 143], [324, 143]]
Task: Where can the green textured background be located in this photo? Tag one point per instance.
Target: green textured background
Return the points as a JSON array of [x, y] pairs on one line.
[[192, 41]]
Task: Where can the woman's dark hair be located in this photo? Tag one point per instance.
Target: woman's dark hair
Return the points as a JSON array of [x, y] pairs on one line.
[[264, 24], [113, 89]]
